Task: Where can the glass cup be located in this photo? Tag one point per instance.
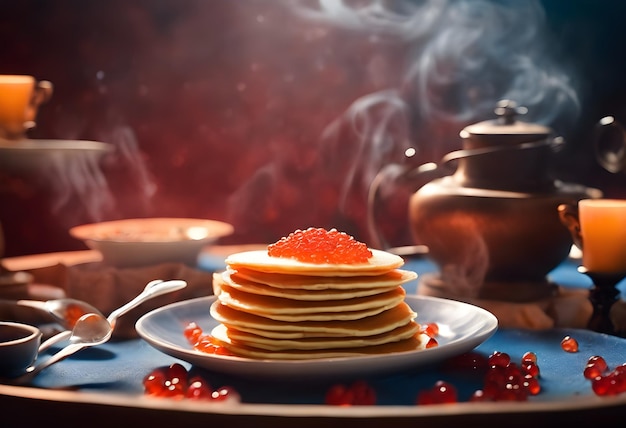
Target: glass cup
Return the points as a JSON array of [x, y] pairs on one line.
[[20, 98], [603, 234]]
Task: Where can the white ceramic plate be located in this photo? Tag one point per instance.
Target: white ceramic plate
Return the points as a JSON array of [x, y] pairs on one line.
[[462, 327]]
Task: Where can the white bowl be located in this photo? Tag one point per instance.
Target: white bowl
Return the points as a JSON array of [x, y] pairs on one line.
[[150, 241], [19, 344]]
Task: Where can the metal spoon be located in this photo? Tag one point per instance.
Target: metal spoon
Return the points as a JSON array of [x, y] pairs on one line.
[[64, 311], [153, 289], [90, 330]]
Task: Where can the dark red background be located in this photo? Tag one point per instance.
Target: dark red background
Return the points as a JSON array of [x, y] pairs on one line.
[[226, 102]]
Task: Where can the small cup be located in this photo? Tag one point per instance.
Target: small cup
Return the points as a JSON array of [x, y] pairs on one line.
[[19, 344], [598, 227], [20, 98]]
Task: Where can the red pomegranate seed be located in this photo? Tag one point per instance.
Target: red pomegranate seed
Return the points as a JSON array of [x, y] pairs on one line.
[[529, 357], [569, 344]]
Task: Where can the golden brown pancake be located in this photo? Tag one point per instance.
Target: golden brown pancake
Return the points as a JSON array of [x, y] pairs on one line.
[[232, 279], [416, 342], [302, 282], [379, 263], [270, 306], [312, 343], [388, 320]]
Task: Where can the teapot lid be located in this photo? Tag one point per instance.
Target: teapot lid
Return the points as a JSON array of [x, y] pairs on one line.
[[506, 123]]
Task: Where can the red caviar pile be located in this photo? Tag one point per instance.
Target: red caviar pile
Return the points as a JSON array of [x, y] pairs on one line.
[[174, 382], [203, 342], [318, 245]]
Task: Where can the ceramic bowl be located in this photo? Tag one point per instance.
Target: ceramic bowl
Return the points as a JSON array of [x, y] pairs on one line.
[[19, 344], [151, 241]]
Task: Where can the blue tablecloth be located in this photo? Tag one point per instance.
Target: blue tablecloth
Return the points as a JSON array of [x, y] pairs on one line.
[[119, 367]]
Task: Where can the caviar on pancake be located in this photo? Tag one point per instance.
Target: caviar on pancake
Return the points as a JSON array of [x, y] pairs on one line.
[[318, 245]]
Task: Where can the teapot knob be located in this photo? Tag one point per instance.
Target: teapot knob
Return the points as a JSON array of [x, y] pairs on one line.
[[506, 110]]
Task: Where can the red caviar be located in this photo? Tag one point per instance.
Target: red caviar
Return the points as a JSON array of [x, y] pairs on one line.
[[318, 245]]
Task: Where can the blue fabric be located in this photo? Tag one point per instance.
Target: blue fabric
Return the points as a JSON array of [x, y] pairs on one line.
[[119, 367]]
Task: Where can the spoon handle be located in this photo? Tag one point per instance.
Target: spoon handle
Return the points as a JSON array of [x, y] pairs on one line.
[[70, 349], [59, 337], [153, 289]]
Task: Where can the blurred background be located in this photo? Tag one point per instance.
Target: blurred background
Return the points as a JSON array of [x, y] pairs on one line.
[[276, 115]]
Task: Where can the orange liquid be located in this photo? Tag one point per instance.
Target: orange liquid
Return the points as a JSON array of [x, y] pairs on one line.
[[15, 97], [603, 229]]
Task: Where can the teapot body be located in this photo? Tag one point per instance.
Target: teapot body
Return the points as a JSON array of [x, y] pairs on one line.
[[484, 239], [492, 226]]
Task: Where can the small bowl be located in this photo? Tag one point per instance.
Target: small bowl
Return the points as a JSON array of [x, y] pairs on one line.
[[19, 344], [149, 241]]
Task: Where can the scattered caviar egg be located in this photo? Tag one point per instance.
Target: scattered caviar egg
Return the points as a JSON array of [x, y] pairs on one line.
[[318, 245], [203, 342], [441, 392], [432, 343], [430, 329], [359, 393], [529, 357], [569, 344], [174, 382], [499, 359]]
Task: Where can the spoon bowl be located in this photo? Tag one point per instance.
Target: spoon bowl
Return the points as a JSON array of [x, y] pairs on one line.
[[89, 330]]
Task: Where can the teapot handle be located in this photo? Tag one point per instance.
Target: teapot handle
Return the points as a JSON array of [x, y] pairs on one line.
[[401, 173], [610, 145], [568, 214]]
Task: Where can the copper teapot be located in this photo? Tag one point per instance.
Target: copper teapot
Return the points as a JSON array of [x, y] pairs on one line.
[[492, 226]]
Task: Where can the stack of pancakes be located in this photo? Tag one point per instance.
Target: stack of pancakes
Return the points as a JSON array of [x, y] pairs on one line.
[[279, 308]]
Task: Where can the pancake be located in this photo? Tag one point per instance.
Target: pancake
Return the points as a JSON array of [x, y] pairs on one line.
[[367, 326], [415, 342], [282, 308], [269, 305], [221, 332], [380, 263], [232, 279], [301, 282]]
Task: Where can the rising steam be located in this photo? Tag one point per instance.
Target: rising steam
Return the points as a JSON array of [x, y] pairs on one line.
[[465, 56]]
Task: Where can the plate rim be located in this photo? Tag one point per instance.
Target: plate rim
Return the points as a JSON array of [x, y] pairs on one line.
[[231, 363]]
